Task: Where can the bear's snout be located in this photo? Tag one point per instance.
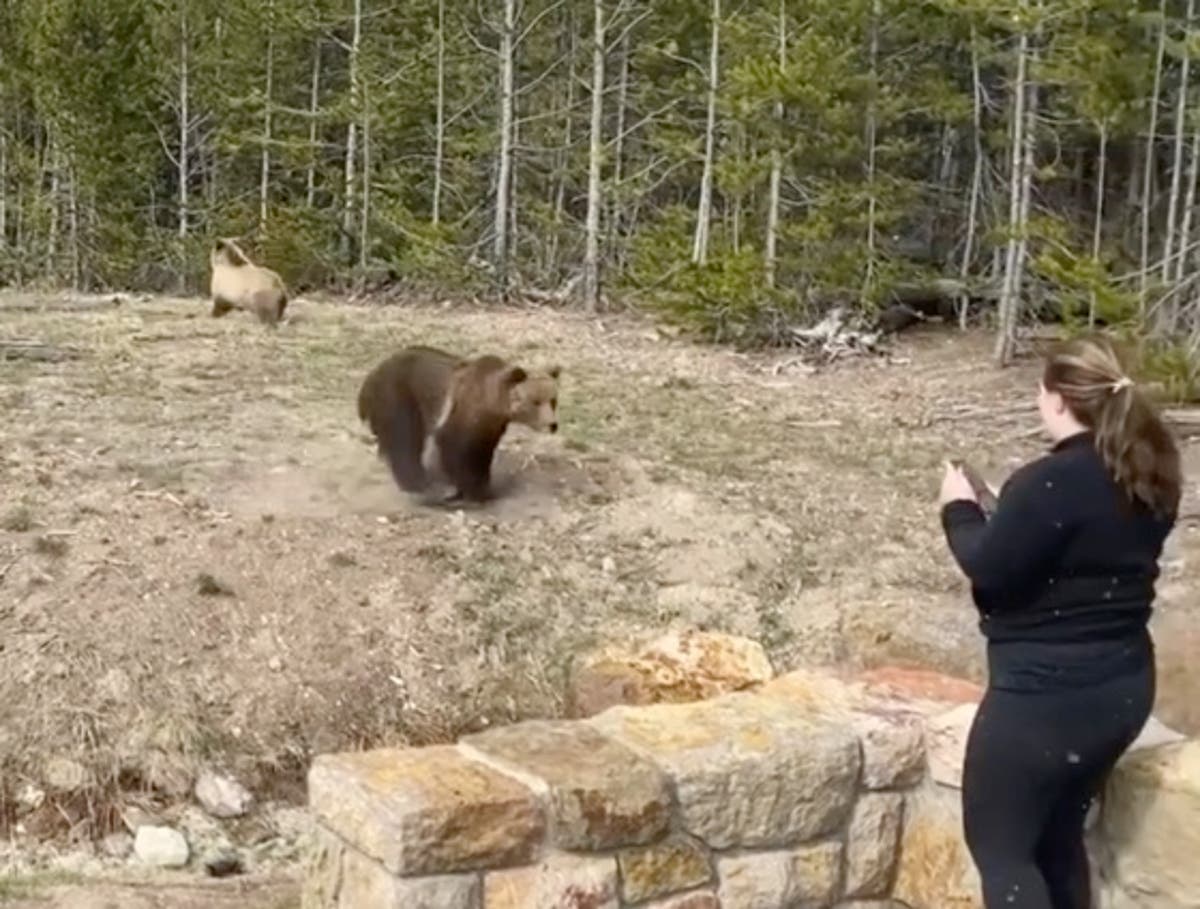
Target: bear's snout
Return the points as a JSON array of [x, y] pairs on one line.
[[554, 426]]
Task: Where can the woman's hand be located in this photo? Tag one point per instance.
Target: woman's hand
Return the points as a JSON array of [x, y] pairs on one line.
[[955, 486]]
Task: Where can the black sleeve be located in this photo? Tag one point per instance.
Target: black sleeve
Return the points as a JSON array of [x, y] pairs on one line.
[[1010, 551]]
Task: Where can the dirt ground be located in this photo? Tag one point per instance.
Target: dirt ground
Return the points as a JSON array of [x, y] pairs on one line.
[[202, 561]]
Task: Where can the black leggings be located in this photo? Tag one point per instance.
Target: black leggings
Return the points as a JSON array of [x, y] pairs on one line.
[[1034, 762]]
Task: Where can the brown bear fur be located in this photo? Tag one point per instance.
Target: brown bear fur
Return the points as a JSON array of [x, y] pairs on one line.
[[434, 413], [237, 283]]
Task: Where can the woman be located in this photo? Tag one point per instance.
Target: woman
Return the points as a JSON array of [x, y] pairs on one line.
[[1063, 576]]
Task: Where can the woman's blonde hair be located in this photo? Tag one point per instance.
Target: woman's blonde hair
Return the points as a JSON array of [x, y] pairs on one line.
[[1130, 436]]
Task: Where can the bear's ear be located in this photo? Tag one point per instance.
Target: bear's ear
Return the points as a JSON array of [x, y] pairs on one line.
[[554, 372], [515, 375]]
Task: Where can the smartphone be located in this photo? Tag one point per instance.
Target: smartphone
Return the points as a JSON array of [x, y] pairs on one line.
[[983, 493]]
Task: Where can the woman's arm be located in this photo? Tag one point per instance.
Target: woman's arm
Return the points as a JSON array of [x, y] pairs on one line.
[[1012, 549]]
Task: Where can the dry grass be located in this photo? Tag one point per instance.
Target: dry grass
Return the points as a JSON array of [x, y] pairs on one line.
[[201, 560]]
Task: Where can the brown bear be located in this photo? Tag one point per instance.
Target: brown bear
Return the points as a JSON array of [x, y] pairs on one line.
[[433, 413], [237, 283]]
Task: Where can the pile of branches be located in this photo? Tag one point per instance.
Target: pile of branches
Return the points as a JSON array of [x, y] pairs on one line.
[[839, 334]]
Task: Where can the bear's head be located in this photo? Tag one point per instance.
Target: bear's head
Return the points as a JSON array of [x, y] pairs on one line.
[[226, 252], [533, 398]]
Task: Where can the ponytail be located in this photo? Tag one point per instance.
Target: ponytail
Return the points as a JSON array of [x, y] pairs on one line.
[[1130, 436]]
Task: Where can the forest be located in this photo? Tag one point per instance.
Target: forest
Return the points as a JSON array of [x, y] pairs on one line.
[[734, 166]]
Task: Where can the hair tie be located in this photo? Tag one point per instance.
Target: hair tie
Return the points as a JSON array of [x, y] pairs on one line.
[[1123, 382]]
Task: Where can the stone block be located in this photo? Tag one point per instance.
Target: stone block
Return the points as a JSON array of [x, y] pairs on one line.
[[671, 866], [366, 884], [871, 844], [807, 876], [1150, 825], [426, 810], [934, 870], [747, 771], [697, 899], [560, 881], [337, 876], [599, 795], [676, 668], [891, 734]]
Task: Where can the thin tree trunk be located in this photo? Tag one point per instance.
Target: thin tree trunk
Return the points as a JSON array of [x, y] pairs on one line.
[[184, 120], [310, 177], [52, 231], [364, 223], [1174, 201], [704, 209], [3, 189], [1010, 294], [872, 114], [504, 164], [1148, 163], [1098, 222], [976, 175], [73, 230], [351, 136], [591, 254], [770, 251], [265, 173], [562, 156], [616, 215], [1186, 254], [439, 138]]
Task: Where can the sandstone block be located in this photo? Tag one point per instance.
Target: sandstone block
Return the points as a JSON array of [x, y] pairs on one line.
[[891, 734], [425, 810], [678, 667], [599, 794], [747, 771], [697, 899], [768, 880], [872, 842], [934, 870], [672, 866], [560, 881], [366, 884], [1151, 823]]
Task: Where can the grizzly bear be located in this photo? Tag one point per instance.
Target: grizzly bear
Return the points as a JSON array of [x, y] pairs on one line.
[[237, 283], [433, 413]]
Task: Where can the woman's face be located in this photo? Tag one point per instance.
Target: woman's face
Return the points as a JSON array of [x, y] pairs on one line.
[[1055, 416]]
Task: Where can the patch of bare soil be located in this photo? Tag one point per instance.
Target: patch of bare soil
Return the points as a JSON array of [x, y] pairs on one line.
[[156, 892], [203, 562]]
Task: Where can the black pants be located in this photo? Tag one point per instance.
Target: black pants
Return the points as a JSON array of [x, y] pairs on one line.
[[1035, 760]]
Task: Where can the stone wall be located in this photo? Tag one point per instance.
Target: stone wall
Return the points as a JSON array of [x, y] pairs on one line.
[[810, 791]]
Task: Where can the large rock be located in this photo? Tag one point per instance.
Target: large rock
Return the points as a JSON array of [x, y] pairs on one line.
[[671, 866], [162, 847], [339, 877], [871, 844], [678, 667], [697, 899], [1151, 828], [599, 794], [221, 796], [560, 881], [935, 870], [426, 810], [891, 733], [748, 771], [768, 880]]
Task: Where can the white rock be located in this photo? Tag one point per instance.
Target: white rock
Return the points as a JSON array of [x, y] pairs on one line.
[[221, 796], [162, 847]]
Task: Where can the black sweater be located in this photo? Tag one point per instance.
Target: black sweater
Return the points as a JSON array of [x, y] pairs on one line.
[[1065, 558]]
